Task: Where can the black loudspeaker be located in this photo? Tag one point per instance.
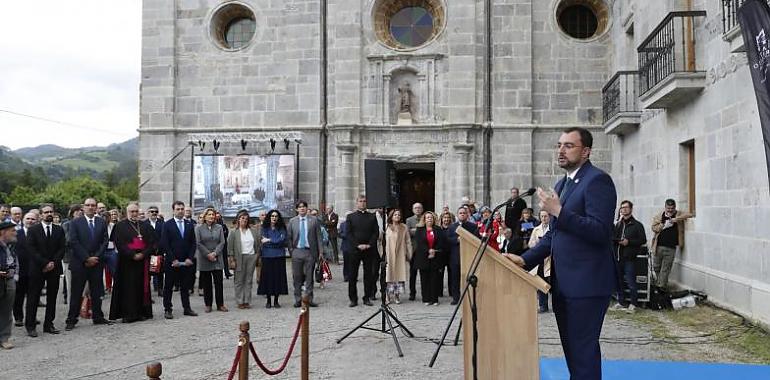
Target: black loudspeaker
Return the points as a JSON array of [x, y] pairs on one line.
[[381, 185]]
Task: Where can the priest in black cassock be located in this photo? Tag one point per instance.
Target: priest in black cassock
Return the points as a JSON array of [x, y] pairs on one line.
[[131, 292]]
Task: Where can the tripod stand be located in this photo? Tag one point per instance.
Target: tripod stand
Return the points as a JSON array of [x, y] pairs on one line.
[[388, 318]]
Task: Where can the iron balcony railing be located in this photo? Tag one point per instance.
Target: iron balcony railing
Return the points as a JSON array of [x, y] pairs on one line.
[[620, 94], [730, 14], [670, 48]]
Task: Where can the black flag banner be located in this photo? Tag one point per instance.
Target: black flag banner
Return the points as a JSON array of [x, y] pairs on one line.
[[754, 17]]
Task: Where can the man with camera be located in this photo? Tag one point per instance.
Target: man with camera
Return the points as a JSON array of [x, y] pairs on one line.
[[628, 238], [8, 276], [668, 227]]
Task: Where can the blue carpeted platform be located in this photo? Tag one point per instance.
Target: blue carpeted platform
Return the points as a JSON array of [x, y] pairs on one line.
[[556, 369]]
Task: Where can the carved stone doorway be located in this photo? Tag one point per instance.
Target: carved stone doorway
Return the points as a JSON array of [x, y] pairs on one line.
[[417, 183]]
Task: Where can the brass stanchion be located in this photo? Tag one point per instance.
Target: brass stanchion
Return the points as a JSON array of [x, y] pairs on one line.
[[154, 370], [243, 343], [305, 366]]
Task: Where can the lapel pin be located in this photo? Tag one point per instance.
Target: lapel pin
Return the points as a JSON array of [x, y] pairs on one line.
[[577, 180]]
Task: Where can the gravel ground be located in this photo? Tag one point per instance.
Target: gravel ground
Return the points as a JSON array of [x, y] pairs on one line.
[[203, 347]]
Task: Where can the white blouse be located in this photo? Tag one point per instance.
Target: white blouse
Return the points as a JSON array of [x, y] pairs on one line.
[[247, 242]]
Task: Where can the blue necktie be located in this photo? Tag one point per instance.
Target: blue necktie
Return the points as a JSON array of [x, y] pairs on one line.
[[91, 227], [180, 225], [302, 241], [567, 183]]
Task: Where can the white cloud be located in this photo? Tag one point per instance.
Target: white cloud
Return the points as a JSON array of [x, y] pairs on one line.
[[76, 62]]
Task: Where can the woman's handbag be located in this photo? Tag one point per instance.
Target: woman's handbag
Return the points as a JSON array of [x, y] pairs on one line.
[[156, 264]]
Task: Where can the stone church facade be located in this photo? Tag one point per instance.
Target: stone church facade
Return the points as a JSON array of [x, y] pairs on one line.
[[468, 98]]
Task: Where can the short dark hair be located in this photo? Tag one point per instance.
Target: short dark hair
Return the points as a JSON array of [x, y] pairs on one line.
[[152, 208], [670, 202], [627, 202], [586, 138], [176, 203], [300, 203]]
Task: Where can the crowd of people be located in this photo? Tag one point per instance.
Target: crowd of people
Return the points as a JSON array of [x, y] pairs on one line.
[[95, 252]]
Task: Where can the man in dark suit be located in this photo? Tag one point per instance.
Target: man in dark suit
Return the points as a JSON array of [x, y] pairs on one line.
[[513, 212], [331, 221], [363, 233], [156, 223], [88, 240], [22, 286], [178, 242], [45, 246], [305, 247], [453, 277], [580, 242], [509, 244]]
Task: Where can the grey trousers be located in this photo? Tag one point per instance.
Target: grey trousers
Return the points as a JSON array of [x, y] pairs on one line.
[[244, 279], [664, 260], [302, 266], [7, 295]]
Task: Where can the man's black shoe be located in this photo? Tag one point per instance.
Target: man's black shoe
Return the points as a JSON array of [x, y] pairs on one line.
[[32, 333], [312, 304], [51, 330], [103, 322], [19, 323], [353, 304], [367, 302], [69, 326], [412, 297], [168, 315], [190, 313], [454, 302], [297, 304]]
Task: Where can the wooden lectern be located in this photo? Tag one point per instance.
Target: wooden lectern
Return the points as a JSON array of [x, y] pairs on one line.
[[506, 300]]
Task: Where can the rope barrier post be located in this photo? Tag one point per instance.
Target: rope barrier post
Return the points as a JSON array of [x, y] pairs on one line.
[[243, 342], [154, 370], [305, 367]]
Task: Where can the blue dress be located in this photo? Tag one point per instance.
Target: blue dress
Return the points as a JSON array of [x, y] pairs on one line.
[[272, 280]]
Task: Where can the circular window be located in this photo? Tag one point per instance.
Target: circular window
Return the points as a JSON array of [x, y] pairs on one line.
[[582, 19], [233, 26], [407, 24]]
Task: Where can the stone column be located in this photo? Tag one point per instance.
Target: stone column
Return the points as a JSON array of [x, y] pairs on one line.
[[271, 182], [345, 181], [386, 100], [462, 187]]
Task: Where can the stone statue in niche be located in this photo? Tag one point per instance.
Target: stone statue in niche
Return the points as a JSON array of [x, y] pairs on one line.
[[405, 104]]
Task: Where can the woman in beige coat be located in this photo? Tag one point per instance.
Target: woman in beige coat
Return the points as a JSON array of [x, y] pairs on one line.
[[244, 245], [398, 250]]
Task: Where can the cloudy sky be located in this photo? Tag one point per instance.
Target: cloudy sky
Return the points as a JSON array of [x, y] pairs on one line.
[[77, 63]]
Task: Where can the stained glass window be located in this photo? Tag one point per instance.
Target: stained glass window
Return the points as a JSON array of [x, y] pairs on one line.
[[239, 32], [412, 26]]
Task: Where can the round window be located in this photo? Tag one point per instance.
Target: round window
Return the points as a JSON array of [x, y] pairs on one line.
[[582, 19], [233, 26], [412, 26], [407, 24]]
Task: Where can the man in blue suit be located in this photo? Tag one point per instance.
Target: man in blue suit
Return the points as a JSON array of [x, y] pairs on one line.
[[580, 242], [178, 243], [453, 278], [88, 239]]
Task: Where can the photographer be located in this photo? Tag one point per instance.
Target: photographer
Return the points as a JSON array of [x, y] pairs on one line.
[[628, 239]]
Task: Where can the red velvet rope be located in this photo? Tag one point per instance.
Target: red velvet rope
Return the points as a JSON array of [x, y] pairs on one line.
[[288, 354], [235, 363]]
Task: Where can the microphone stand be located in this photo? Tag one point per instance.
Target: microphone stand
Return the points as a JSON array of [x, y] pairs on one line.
[[471, 281]]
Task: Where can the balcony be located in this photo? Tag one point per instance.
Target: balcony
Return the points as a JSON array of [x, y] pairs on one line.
[[620, 107], [668, 71], [731, 29]]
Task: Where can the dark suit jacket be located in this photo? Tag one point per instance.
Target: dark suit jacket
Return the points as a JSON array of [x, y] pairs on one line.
[[83, 246], [513, 213], [421, 260], [580, 239], [175, 246], [43, 250], [362, 228], [21, 253], [158, 233], [510, 246]]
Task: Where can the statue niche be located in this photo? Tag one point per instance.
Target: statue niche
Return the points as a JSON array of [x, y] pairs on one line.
[[404, 100]]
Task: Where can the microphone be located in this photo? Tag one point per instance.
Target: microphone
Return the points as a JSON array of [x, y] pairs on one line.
[[531, 191]]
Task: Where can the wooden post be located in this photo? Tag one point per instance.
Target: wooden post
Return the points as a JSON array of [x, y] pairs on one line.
[[690, 40], [243, 342], [154, 370], [305, 366]]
